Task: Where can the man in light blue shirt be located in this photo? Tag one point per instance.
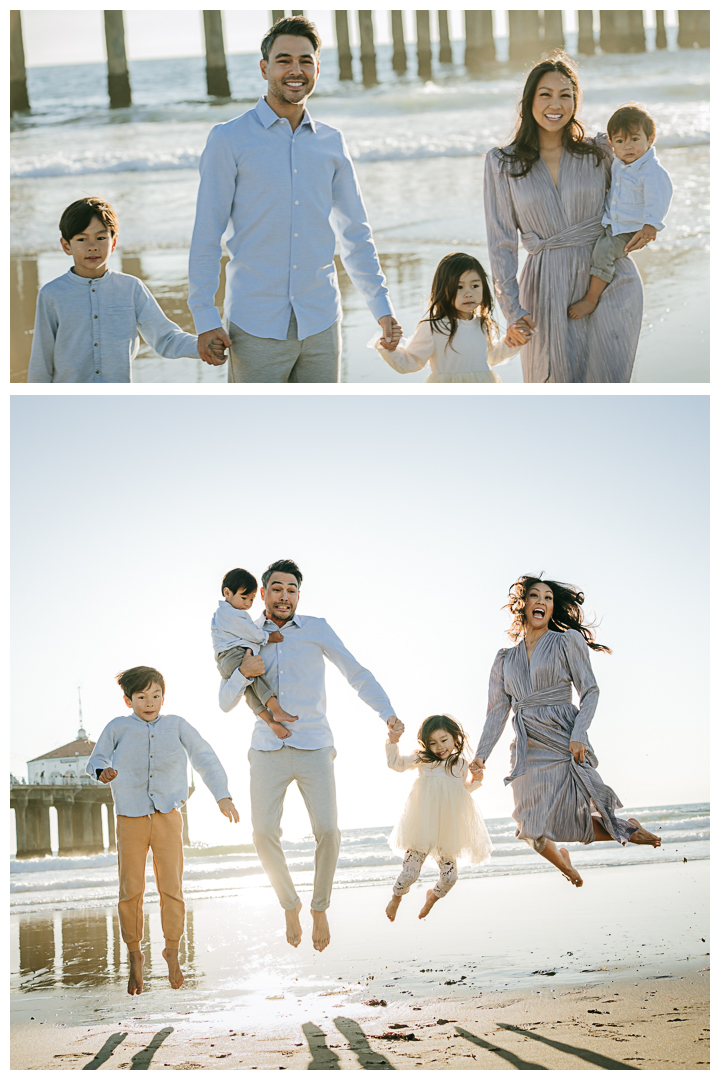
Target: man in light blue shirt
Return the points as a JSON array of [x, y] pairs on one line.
[[295, 668], [286, 186]]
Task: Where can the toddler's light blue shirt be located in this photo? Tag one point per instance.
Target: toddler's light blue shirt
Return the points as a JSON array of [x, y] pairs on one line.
[[639, 194]]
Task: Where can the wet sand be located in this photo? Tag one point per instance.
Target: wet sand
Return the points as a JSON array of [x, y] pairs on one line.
[[522, 972]]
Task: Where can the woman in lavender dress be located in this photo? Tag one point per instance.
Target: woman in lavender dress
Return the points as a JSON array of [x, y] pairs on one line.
[[559, 796], [549, 185]]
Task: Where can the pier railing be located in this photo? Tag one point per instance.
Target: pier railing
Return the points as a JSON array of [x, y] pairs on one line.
[[531, 35]]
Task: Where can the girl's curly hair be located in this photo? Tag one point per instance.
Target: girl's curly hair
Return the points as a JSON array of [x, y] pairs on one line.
[[567, 610], [441, 722]]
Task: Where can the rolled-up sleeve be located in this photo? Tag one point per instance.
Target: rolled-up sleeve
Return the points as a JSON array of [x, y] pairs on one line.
[[349, 220]]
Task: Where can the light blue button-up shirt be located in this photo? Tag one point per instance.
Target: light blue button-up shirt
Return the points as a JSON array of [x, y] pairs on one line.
[[295, 668], [639, 194], [286, 195], [151, 762], [86, 329]]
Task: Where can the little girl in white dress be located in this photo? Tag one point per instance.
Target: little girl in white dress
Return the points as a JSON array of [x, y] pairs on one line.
[[439, 817], [458, 336]]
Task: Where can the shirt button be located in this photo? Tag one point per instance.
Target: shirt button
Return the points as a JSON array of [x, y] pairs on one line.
[[294, 266], [97, 372], [292, 297], [94, 316], [294, 234], [92, 290], [282, 672], [294, 170], [96, 344], [296, 203]]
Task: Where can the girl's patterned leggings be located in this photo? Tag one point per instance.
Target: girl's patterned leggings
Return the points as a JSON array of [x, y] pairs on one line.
[[412, 865]]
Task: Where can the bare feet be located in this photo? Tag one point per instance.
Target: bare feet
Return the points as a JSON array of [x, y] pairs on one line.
[[391, 909], [135, 982], [293, 929], [430, 900], [568, 870], [278, 729], [582, 308], [286, 717], [321, 931], [642, 836], [175, 975]]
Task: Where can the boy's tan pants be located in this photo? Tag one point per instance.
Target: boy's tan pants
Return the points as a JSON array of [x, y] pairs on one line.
[[135, 835]]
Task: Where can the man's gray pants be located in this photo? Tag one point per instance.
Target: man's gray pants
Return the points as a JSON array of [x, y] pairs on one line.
[[608, 249], [271, 773], [315, 359]]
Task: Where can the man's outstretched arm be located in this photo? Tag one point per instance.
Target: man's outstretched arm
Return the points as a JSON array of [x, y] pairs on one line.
[[362, 680]]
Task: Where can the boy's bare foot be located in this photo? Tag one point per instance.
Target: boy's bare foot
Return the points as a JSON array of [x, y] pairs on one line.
[[321, 931], [293, 929], [569, 870], [582, 308], [391, 909], [642, 836], [286, 717], [278, 729], [175, 975], [135, 982], [430, 900]]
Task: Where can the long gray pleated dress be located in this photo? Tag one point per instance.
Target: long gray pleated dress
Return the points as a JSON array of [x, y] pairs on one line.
[[558, 227], [554, 795]]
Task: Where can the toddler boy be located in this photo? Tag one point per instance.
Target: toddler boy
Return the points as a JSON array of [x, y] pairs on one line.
[[636, 204], [233, 633], [143, 756], [87, 320]]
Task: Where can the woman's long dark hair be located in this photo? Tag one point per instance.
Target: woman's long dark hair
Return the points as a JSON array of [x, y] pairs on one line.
[[567, 610], [524, 150], [441, 722], [442, 311]]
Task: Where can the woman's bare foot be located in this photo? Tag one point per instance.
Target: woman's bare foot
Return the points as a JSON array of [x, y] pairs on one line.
[[391, 909], [642, 836], [293, 929], [175, 975], [135, 982], [582, 308], [321, 931], [430, 900], [568, 870]]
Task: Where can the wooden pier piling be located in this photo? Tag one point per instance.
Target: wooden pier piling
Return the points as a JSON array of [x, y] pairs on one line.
[[342, 36], [367, 48], [445, 55], [524, 34], [660, 35], [19, 100], [118, 75], [479, 40], [277, 15], [215, 62], [693, 29], [424, 49], [554, 36], [399, 60], [622, 31], [586, 35]]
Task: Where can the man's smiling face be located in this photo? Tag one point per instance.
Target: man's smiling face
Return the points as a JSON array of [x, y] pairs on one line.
[[292, 69]]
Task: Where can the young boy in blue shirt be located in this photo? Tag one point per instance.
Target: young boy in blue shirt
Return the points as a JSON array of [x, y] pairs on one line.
[[144, 757], [87, 320]]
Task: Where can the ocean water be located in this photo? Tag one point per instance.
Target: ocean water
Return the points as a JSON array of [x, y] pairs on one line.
[[83, 883], [418, 148]]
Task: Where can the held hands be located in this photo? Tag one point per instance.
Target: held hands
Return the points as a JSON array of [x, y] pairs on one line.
[[395, 729], [211, 346], [252, 665], [107, 775], [477, 768], [392, 332], [227, 807], [577, 749], [520, 332], [275, 637], [641, 239]]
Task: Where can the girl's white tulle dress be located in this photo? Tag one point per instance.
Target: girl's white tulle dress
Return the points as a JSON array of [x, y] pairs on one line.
[[470, 358], [440, 817]]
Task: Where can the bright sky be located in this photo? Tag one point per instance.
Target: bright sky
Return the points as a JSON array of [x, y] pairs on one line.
[[76, 37], [410, 517]]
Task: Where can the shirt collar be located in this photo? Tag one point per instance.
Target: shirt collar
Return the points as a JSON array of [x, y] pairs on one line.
[[264, 622], [85, 281], [148, 723], [268, 116], [648, 156]]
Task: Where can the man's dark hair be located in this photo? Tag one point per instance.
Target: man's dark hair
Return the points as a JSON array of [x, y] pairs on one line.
[[631, 118], [298, 26], [78, 215], [239, 579], [136, 679], [282, 566]]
